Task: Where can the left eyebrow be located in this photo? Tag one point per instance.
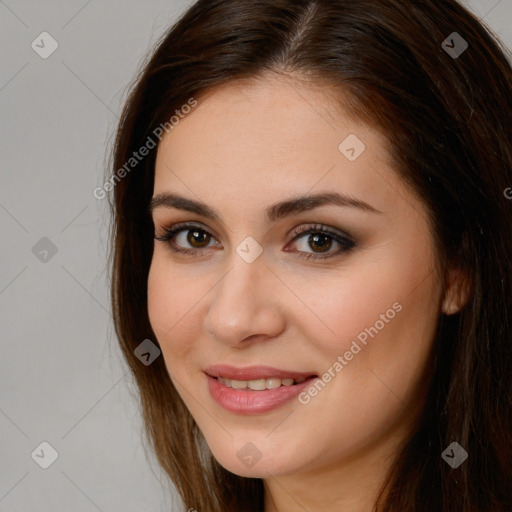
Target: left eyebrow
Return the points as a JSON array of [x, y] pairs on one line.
[[273, 213], [309, 202]]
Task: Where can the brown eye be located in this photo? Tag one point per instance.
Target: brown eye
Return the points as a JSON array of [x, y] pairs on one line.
[[320, 242], [198, 238], [311, 242], [187, 238]]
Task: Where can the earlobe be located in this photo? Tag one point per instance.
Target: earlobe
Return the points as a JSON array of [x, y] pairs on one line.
[[450, 307], [457, 292]]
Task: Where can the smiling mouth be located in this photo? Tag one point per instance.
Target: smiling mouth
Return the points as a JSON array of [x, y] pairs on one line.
[[255, 389], [261, 384]]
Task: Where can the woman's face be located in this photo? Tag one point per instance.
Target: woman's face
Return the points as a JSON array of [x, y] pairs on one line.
[[339, 289]]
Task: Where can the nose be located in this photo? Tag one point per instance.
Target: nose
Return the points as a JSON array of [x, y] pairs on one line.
[[244, 305]]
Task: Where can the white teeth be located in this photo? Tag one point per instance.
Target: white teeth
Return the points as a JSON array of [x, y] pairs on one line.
[[238, 384], [273, 383], [259, 384]]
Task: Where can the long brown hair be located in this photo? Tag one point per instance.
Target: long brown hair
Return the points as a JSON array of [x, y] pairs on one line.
[[446, 111]]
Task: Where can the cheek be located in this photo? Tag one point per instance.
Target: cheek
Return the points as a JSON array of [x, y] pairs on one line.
[[381, 319], [381, 373], [172, 299], [162, 294], [342, 305]]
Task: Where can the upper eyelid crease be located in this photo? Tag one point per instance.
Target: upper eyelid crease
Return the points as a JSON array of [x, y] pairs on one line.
[[273, 213]]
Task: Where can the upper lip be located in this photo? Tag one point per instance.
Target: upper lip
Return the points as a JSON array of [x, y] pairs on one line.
[[253, 372]]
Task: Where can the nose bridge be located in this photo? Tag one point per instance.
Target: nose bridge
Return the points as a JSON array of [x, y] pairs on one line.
[[239, 282], [242, 304]]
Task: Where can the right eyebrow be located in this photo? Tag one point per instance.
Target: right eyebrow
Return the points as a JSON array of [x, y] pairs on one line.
[[182, 203]]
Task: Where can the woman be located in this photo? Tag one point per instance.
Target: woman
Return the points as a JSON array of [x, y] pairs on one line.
[[311, 224]]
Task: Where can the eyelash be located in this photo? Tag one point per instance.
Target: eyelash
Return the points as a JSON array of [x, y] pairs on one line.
[[343, 239]]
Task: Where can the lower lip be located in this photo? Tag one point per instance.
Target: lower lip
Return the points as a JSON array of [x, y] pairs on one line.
[[254, 402]]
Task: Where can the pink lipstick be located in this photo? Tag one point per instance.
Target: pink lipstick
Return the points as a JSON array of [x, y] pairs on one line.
[[255, 389]]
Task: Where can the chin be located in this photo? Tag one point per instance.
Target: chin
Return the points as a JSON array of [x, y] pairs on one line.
[[255, 459]]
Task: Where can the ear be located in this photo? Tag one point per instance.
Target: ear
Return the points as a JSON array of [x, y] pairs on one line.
[[457, 291]]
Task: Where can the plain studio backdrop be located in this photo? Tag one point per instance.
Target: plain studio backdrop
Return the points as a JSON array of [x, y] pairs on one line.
[[62, 379]]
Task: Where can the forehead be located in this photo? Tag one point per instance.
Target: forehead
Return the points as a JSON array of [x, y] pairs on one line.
[[264, 137], [254, 110]]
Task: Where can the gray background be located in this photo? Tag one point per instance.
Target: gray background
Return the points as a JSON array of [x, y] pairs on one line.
[[62, 379]]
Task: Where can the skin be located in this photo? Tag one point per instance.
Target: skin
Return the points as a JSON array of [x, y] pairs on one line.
[[245, 147]]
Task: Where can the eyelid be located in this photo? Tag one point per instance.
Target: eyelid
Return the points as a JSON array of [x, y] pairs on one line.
[[315, 227], [184, 226], [339, 236], [172, 231]]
